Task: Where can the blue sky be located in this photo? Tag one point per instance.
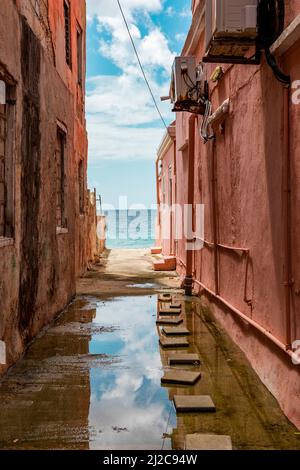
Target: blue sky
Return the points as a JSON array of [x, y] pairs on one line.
[[124, 127]]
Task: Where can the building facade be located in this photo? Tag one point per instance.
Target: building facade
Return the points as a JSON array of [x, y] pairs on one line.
[[165, 175], [247, 178], [45, 209]]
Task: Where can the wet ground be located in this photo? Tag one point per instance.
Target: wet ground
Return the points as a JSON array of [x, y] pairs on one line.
[[93, 381], [125, 272]]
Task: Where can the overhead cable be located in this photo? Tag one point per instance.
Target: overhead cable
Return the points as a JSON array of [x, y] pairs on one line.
[[141, 65]]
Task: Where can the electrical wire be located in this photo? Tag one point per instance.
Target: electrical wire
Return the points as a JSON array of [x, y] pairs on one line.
[[271, 15], [194, 89], [279, 74], [168, 423], [204, 127], [141, 65], [192, 84], [190, 89]]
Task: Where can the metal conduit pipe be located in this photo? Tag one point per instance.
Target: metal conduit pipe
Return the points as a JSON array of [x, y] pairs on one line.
[[157, 191], [188, 282], [215, 217], [286, 196], [244, 317], [175, 200]]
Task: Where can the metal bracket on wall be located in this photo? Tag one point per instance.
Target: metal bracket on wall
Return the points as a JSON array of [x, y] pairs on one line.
[[235, 59]]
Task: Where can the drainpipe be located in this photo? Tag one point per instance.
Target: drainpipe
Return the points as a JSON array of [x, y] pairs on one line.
[[215, 218], [157, 193], [286, 197], [217, 117], [175, 200], [188, 282]]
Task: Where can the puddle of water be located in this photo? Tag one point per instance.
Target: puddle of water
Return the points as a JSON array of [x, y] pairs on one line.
[[129, 409], [98, 371], [142, 286], [93, 381]]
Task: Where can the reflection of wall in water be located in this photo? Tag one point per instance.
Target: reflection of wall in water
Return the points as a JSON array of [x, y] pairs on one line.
[[58, 385]]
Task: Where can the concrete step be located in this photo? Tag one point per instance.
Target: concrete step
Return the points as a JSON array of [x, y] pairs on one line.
[[169, 311], [181, 377], [193, 404], [165, 298], [156, 250], [173, 342], [168, 263], [207, 442], [181, 331], [169, 321], [176, 305], [184, 359]]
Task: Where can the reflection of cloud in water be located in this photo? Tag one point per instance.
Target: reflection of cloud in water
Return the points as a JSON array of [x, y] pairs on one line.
[[129, 396]]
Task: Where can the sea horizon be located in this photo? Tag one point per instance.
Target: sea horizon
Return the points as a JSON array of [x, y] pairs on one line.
[[130, 228]]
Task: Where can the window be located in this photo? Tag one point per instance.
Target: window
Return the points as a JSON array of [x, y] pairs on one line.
[[81, 186], [79, 55], [160, 167], [60, 178], [67, 13], [6, 160], [170, 201], [164, 189]]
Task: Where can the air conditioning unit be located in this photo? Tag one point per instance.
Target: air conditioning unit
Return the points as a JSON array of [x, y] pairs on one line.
[[231, 28], [187, 86]]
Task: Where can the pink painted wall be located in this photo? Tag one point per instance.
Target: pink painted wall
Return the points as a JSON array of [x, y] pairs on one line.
[[167, 195], [249, 162]]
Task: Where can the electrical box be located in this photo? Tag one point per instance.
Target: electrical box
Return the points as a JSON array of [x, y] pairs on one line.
[[186, 86], [231, 27]]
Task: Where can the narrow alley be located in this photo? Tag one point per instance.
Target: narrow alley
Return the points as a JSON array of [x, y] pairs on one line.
[[149, 227], [92, 380]]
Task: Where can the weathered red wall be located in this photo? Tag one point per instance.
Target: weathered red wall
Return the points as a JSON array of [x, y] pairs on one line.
[[249, 174], [69, 76], [38, 267]]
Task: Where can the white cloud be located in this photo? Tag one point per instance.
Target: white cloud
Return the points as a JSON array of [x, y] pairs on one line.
[[170, 11], [124, 100], [180, 37], [112, 142], [105, 9], [186, 13], [117, 104]]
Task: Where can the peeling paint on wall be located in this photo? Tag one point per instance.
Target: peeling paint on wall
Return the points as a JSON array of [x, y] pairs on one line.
[[31, 179]]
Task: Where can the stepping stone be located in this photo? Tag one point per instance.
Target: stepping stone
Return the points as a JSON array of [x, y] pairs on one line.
[[156, 250], [174, 305], [184, 359], [173, 342], [181, 377], [196, 403], [170, 311], [169, 321], [181, 331], [207, 442], [165, 298]]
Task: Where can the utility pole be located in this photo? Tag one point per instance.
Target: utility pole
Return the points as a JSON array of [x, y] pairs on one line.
[[99, 200]]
